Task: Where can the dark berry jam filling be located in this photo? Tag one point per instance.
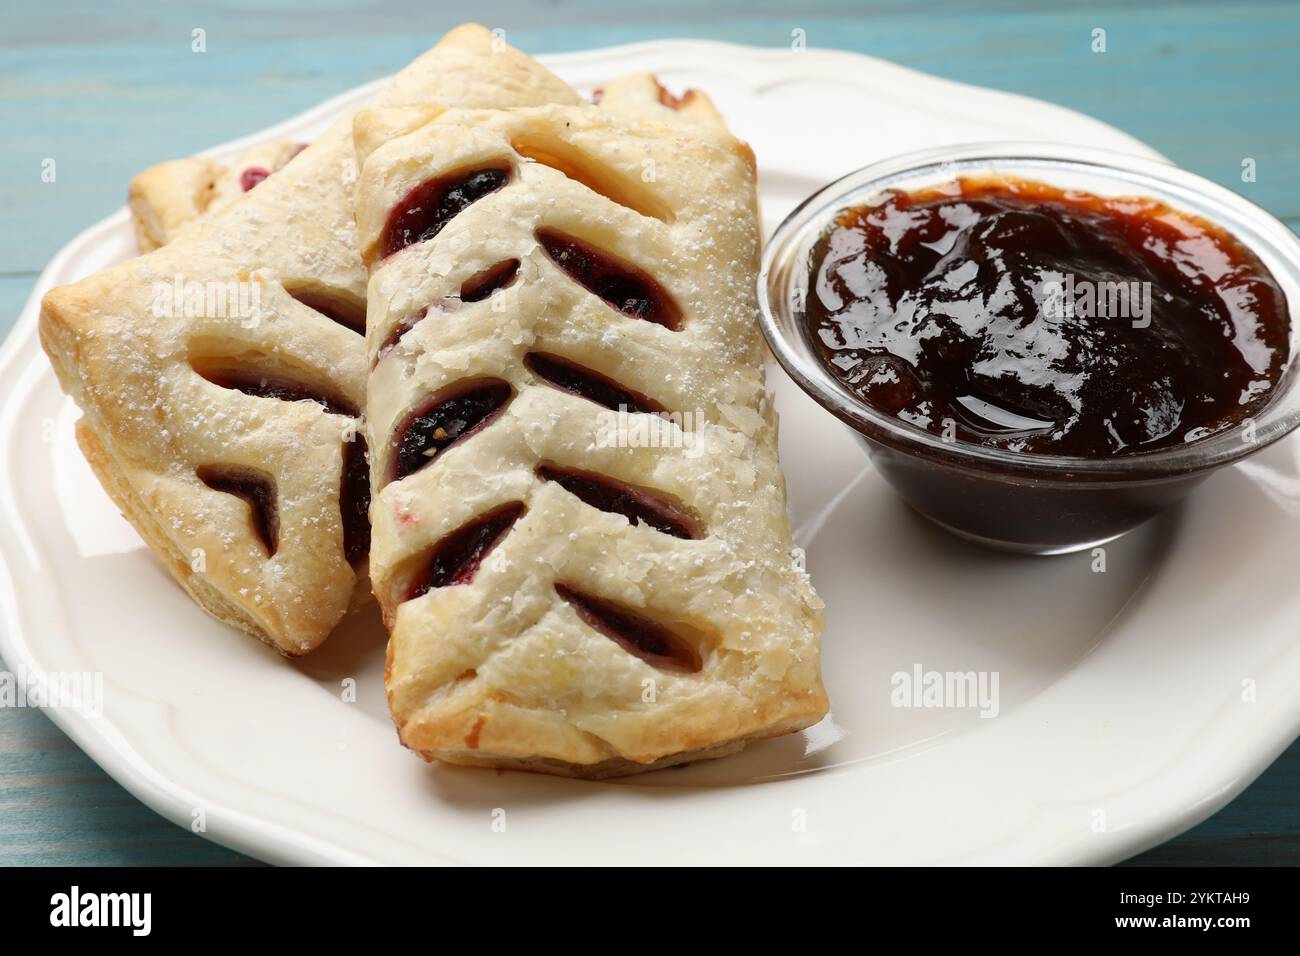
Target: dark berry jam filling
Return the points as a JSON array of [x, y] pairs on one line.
[[636, 504], [273, 386], [576, 380], [458, 556], [354, 500], [399, 330], [425, 210], [349, 314], [444, 420], [481, 285], [653, 643], [257, 490], [624, 287]]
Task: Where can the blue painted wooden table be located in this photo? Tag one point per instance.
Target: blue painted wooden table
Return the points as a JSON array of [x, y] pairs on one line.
[[107, 89]]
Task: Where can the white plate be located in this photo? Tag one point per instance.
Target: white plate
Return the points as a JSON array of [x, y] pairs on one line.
[[1122, 717]]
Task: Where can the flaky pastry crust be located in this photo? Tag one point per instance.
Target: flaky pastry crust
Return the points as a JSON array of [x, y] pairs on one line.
[[497, 667], [171, 197], [131, 351]]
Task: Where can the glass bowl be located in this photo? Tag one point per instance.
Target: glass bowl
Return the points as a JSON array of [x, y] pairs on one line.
[[1033, 503]]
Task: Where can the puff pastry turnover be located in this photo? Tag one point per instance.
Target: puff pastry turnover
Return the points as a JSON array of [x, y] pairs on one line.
[[221, 377], [580, 536]]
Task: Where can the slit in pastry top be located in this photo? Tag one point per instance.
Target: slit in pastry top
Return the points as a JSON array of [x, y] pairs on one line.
[[658, 646], [458, 556], [567, 376], [623, 286], [257, 490], [425, 211], [243, 374], [638, 505], [354, 500], [335, 306], [575, 164], [450, 416], [476, 288], [482, 284]]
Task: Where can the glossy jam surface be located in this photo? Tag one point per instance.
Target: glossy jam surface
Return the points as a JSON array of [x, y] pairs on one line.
[[1012, 314]]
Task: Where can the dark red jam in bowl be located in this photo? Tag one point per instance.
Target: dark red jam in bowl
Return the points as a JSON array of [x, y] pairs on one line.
[[1013, 314]]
